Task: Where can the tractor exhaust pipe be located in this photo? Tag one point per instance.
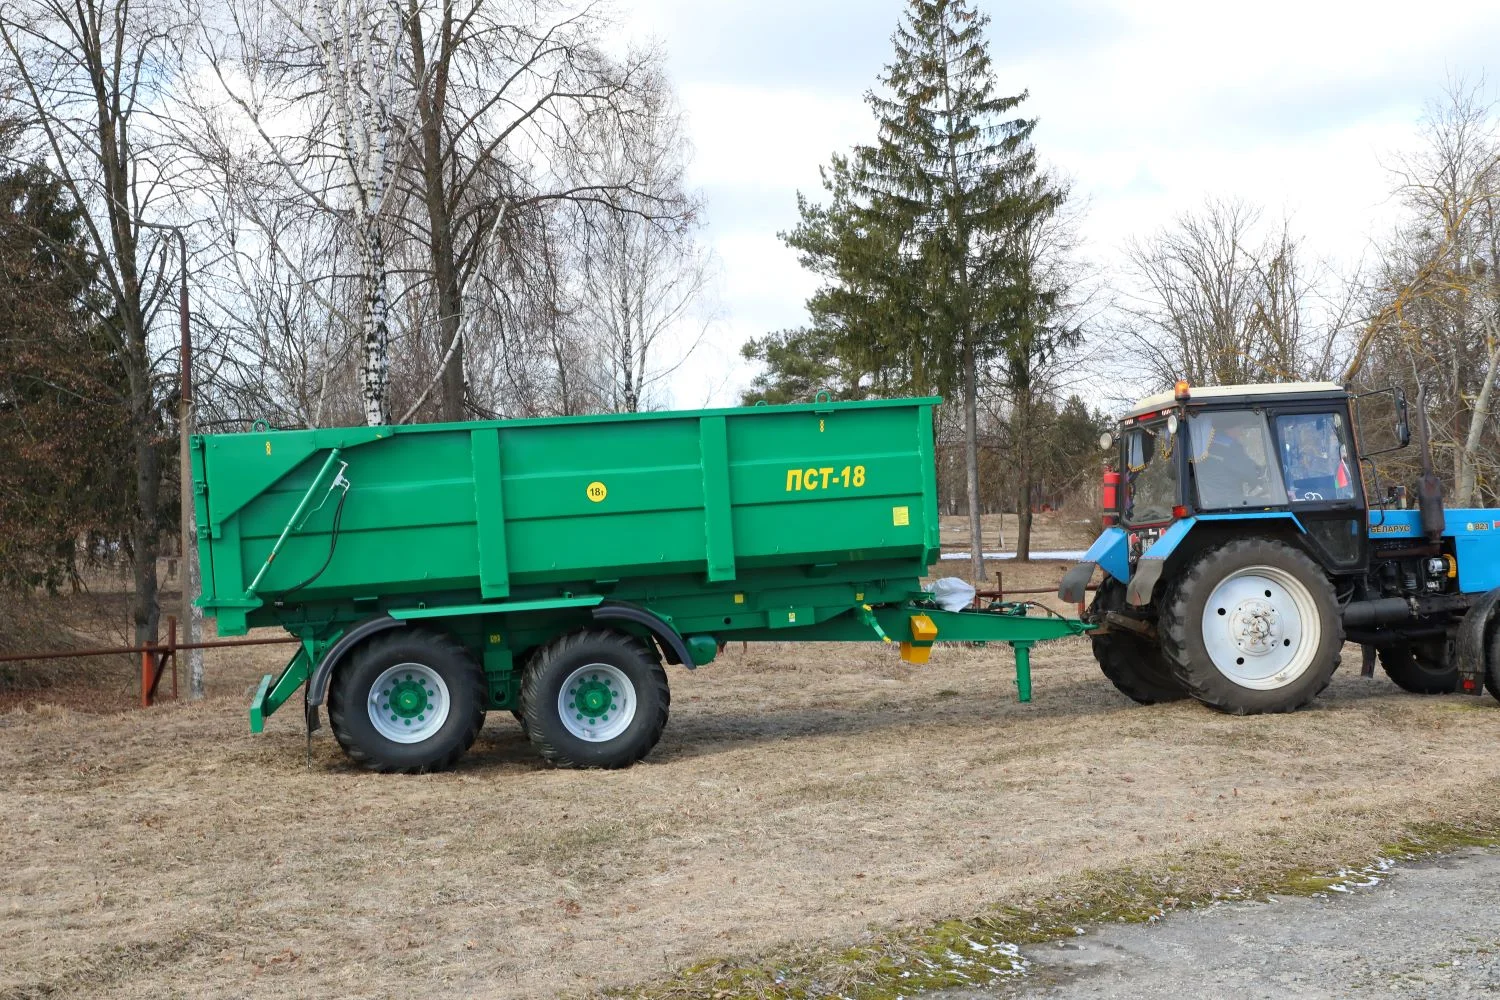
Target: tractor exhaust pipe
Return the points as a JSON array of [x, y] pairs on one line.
[[1429, 486], [1396, 610], [1381, 611]]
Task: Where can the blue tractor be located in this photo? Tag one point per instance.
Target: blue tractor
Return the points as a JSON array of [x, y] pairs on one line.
[[1241, 552]]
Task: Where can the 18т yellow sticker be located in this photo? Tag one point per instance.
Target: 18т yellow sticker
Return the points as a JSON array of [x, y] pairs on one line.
[[597, 491]]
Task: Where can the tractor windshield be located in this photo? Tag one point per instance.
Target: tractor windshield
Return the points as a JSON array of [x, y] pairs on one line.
[[1315, 457], [1231, 455], [1150, 475]]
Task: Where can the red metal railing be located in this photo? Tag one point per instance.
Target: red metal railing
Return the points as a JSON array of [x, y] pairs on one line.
[[154, 656]]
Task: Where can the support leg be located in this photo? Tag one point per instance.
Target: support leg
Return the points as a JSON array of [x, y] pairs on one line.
[[1023, 670]]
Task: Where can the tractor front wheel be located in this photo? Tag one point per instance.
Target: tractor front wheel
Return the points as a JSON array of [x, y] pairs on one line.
[[1420, 667], [1132, 663], [594, 698], [1253, 626]]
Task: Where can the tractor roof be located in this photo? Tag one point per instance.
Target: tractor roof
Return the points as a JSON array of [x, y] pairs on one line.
[[1229, 394]]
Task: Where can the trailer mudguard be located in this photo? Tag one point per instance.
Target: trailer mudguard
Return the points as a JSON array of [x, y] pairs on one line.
[[1472, 645], [673, 647], [1149, 569], [317, 684], [1110, 552]]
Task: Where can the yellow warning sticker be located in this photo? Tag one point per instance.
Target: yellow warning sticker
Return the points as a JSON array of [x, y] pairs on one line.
[[597, 491], [900, 516], [739, 598]]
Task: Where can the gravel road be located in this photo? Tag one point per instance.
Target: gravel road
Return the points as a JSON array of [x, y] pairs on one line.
[[1429, 930]]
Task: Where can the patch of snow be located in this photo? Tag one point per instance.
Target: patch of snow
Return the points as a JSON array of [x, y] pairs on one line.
[[1059, 554]]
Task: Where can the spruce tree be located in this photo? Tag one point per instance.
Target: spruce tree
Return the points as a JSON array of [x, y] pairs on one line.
[[954, 170]]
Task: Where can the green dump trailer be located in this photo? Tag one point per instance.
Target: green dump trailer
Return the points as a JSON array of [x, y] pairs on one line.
[[550, 566]]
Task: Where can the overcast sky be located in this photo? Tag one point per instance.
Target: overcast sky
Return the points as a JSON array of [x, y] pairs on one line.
[[1149, 105]]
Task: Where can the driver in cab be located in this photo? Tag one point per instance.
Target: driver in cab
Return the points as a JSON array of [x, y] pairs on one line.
[[1224, 462]]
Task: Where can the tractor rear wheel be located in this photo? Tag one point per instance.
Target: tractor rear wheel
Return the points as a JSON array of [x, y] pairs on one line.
[[1492, 666], [1132, 663], [1420, 667], [594, 698], [1252, 626], [407, 702]]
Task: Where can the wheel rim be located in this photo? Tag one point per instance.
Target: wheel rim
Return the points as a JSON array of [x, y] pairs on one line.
[[1261, 627], [596, 702], [408, 703]]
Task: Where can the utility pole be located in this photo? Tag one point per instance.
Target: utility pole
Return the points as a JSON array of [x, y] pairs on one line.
[[188, 570]]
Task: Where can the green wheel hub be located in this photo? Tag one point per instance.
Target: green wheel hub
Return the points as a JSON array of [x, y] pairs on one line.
[[408, 703], [594, 698], [408, 698], [596, 702]]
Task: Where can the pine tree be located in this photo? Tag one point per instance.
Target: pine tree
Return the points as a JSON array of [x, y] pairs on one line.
[[960, 178], [862, 338]]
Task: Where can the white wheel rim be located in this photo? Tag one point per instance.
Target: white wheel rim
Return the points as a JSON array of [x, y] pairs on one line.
[[1261, 628], [596, 703], [408, 703]]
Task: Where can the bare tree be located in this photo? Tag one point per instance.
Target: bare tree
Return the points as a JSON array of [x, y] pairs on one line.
[[94, 77], [322, 87], [510, 97], [640, 275], [1042, 350], [1438, 306], [1217, 302]]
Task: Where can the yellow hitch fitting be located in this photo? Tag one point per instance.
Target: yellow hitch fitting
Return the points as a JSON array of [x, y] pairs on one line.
[[923, 634]]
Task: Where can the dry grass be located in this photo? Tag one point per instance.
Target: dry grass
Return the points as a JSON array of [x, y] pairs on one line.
[[801, 794], [1049, 531]]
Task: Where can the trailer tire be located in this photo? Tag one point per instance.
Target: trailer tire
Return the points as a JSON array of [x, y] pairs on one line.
[[1133, 663], [594, 670], [1252, 626], [426, 680], [1420, 667]]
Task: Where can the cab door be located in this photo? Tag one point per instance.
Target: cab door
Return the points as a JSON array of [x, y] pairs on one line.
[[1321, 474]]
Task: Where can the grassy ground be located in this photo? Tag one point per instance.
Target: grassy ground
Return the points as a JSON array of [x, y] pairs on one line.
[[810, 807], [805, 799]]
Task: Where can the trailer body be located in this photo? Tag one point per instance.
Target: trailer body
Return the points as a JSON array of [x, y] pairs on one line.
[[675, 532]]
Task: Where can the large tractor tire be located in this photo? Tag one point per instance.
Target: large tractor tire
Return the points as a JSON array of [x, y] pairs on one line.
[[407, 702], [1132, 663], [594, 698], [1420, 667], [1252, 626], [1492, 666]]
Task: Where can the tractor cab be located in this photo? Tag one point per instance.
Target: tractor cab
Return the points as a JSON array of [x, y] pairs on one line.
[[1228, 453], [1200, 460]]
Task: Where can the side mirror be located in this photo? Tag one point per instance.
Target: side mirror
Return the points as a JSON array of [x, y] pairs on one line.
[[1106, 440], [1370, 424]]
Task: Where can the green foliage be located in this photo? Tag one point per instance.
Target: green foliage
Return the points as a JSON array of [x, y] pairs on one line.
[[64, 466], [925, 241], [864, 337]]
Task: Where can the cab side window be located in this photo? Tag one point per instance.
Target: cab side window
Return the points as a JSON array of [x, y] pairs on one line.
[[1315, 458]]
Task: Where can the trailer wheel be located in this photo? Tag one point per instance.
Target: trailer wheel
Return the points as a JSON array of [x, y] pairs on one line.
[[1132, 663], [407, 702], [594, 698], [1420, 667], [1251, 627]]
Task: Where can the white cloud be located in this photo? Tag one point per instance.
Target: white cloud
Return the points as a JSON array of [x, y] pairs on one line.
[[1149, 106]]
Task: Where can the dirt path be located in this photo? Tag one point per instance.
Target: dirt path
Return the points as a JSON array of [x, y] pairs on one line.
[[1426, 931], [802, 794]]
